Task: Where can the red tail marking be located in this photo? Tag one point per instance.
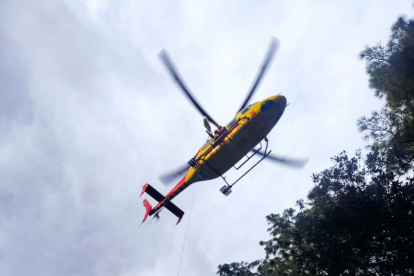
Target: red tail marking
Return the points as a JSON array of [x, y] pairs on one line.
[[143, 190], [148, 208]]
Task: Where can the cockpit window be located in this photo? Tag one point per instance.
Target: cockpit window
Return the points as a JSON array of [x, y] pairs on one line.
[[232, 122], [207, 144], [267, 105], [244, 110]]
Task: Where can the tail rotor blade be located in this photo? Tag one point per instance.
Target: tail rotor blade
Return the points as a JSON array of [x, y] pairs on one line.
[[156, 216], [174, 73], [274, 44], [296, 163], [167, 178]]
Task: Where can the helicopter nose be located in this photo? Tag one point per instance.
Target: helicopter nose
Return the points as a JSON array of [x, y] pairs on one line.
[[275, 103], [273, 108], [280, 101]]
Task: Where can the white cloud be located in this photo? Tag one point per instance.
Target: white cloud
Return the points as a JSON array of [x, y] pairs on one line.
[[88, 115]]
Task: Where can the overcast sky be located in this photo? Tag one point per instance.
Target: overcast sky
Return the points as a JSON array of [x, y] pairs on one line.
[[88, 115]]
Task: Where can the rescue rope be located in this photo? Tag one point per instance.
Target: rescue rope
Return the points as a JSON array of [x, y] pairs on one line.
[[185, 236]]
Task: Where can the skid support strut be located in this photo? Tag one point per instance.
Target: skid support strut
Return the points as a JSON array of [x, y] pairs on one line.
[[226, 189]]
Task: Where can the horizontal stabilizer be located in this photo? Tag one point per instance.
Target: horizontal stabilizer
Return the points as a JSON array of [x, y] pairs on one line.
[[159, 197], [152, 192], [175, 210]]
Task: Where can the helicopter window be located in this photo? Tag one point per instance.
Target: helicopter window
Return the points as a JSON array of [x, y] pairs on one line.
[[244, 110], [207, 144], [232, 122], [267, 105]]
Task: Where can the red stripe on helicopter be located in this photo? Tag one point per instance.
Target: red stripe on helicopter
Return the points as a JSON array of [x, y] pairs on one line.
[[237, 127], [179, 184], [214, 150]]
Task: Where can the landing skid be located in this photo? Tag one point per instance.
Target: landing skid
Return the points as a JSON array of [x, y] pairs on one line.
[[226, 189]]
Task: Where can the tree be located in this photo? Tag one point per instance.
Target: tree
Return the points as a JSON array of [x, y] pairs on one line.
[[391, 74], [391, 130], [359, 220], [391, 68]]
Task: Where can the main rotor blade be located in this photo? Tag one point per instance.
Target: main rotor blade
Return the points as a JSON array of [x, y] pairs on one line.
[[167, 178], [174, 73], [297, 163], [274, 43]]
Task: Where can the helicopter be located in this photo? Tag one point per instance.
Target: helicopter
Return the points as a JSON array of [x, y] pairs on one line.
[[228, 145]]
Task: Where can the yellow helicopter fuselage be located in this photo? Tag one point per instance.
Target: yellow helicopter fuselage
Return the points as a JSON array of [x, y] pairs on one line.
[[250, 126], [231, 143]]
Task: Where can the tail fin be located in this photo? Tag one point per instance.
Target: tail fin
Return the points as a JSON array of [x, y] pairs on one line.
[[148, 208], [159, 197]]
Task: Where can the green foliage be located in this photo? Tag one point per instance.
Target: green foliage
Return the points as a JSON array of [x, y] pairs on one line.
[[391, 74], [359, 220], [391, 68], [239, 269], [393, 131]]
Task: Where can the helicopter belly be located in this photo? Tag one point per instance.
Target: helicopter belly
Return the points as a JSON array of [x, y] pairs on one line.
[[220, 158]]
